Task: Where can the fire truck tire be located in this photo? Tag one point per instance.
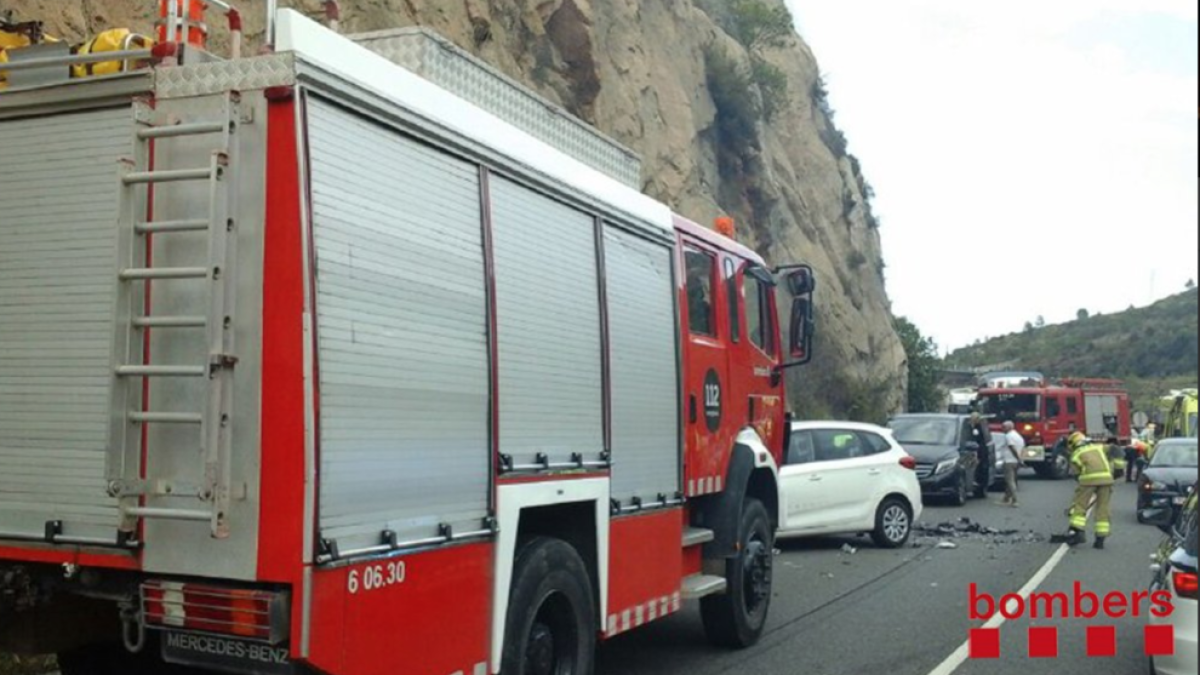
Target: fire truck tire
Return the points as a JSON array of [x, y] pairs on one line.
[[113, 659], [90, 660], [1057, 466], [736, 617], [551, 624]]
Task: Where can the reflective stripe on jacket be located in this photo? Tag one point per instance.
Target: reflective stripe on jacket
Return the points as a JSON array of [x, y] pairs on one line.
[[1091, 462]]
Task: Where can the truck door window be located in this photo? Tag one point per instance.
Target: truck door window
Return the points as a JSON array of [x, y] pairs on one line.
[[700, 268], [1072, 405], [1052, 408], [758, 314], [735, 327]]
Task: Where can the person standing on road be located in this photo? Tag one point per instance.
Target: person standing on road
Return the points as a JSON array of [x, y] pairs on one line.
[[1089, 461], [1147, 437], [1010, 453], [1139, 460], [982, 439], [1147, 434], [1131, 458]]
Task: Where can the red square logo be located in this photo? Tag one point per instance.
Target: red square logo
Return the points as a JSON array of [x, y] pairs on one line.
[[984, 643], [1102, 641], [1160, 640], [1043, 642]]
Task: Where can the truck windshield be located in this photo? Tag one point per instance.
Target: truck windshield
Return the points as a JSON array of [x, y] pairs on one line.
[[923, 431], [1014, 407]]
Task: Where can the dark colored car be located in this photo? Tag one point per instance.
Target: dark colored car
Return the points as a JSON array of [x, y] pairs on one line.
[[948, 456], [1168, 478]]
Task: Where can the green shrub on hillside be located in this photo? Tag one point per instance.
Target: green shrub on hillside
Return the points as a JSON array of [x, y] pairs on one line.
[[772, 85], [759, 26], [737, 112]]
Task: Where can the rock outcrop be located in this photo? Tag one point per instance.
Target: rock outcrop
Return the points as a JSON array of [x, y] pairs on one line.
[[647, 72]]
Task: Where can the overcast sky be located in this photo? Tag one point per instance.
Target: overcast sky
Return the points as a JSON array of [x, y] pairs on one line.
[[1051, 145]]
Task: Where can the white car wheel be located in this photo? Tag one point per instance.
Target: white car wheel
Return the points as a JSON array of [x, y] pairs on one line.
[[893, 523]]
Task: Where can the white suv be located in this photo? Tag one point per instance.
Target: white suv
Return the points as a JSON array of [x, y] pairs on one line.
[[847, 478]]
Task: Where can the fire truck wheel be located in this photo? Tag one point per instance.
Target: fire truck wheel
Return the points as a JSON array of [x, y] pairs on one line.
[[1057, 464], [551, 623], [736, 617], [113, 659], [1060, 466], [90, 660]]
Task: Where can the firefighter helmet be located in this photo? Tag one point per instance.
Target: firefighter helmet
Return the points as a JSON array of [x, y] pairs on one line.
[[1076, 439]]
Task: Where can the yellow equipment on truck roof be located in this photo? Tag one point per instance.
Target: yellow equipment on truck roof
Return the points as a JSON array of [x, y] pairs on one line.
[[17, 34], [113, 40]]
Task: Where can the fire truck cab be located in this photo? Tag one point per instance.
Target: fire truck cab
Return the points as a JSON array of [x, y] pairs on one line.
[[309, 364]]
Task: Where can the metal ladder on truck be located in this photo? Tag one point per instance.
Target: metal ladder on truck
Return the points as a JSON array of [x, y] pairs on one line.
[[128, 481]]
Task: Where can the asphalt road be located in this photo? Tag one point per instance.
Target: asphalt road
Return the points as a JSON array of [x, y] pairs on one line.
[[905, 612]]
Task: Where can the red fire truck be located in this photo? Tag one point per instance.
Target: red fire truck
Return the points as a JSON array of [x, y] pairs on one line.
[[309, 365], [1045, 412]]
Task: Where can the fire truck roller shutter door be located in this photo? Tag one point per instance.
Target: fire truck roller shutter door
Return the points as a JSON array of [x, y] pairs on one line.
[[58, 210], [548, 327], [402, 333], [644, 370], [1096, 408]]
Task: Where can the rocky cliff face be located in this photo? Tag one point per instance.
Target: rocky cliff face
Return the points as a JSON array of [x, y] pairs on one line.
[[668, 79]]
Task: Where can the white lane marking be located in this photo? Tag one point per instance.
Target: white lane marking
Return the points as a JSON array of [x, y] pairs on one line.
[[958, 656]]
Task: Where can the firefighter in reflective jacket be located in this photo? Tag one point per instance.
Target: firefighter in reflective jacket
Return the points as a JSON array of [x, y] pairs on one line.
[[1095, 475]]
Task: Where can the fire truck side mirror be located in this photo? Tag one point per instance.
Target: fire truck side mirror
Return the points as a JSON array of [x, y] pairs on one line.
[[801, 281], [801, 332]]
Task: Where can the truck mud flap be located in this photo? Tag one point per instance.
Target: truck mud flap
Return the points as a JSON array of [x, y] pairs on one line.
[[226, 654]]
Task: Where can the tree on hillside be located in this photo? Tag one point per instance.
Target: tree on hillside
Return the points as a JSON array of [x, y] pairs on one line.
[[1039, 322], [1190, 284], [923, 393], [1081, 314], [759, 26]]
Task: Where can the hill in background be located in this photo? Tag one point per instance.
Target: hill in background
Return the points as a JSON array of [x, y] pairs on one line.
[[1154, 348]]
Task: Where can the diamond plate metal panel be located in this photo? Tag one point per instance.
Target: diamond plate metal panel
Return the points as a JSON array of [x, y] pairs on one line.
[[259, 72], [440, 61]]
